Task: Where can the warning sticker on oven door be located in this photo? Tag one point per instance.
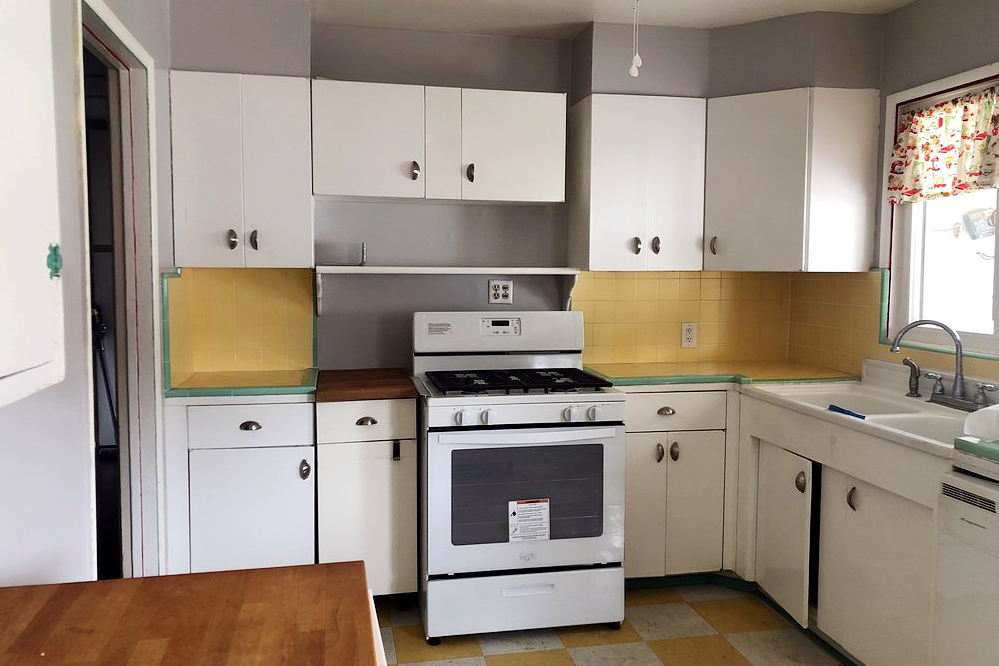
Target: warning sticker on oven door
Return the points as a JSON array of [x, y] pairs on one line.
[[529, 520]]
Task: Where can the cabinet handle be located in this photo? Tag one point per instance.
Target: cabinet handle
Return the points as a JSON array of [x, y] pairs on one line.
[[253, 239], [396, 450], [250, 425], [304, 469], [666, 411], [660, 453], [366, 421], [470, 172], [713, 245], [638, 244], [801, 482], [232, 239], [655, 245], [416, 170], [851, 498], [674, 451]]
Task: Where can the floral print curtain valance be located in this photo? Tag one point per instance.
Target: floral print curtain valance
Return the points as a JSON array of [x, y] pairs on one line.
[[947, 149]]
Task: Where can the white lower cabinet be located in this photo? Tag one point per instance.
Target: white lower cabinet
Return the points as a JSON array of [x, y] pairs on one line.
[[252, 507], [783, 529], [875, 585], [644, 506], [367, 510]]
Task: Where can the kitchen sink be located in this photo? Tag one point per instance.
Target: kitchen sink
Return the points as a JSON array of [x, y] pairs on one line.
[[853, 397], [940, 428]]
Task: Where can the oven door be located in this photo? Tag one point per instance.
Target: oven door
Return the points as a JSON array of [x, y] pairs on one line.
[[568, 484]]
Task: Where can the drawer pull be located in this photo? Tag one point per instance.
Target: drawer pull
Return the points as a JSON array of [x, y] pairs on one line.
[[250, 425], [674, 451], [396, 450], [666, 411], [801, 482], [366, 421], [851, 498], [527, 590], [304, 469], [660, 453]]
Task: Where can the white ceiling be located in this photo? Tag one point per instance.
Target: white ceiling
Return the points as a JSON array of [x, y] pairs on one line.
[[563, 18]]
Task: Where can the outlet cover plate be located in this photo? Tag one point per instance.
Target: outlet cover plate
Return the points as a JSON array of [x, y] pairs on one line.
[[688, 335], [501, 292]]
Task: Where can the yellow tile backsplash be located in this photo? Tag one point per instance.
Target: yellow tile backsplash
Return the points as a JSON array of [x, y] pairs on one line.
[[239, 319], [636, 317]]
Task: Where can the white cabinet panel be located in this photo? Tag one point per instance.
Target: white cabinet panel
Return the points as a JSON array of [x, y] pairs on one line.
[[207, 168], [443, 167], [695, 501], [783, 529], [277, 168], [512, 145], [251, 508], [247, 426], [366, 137], [645, 505], [32, 339], [367, 510], [365, 420], [678, 410]]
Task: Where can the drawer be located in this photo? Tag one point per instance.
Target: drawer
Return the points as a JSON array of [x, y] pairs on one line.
[[248, 426], [365, 420], [656, 412]]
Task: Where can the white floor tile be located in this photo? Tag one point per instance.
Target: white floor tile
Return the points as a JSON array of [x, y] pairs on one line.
[[783, 647], [666, 621], [623, 654], [519, 641], [707, 592]]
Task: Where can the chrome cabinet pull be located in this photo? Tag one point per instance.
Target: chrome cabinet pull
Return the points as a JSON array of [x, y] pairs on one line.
[[666, 411], [801, 482], [416, 170], [851, 498], [655, 245], [674, 451], [396, 450], [638, 244], [470, 172], [660, 453], [304, 469], [713, 245], [250, 425], [232, 239], [253, 239], [366, 421]]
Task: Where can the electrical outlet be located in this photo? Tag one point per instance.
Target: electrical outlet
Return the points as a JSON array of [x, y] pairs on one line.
[[688, 335], [501, 291]]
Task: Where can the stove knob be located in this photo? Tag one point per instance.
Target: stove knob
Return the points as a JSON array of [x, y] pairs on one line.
[[488, 416], [570, 414], [463, 417], [595, 413]]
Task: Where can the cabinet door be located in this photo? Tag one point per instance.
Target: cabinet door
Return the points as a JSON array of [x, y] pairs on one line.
[[512, 145], [645, 504], [252, 508], [675, 158], [834, 586], [695, 501], [32, 339], [783, 529], [207, 168], [757, 149], [367, 510], [277, 171], [366, 137]]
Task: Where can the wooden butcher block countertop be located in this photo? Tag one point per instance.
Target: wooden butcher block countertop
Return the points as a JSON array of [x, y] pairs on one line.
[[315, 614], [368, 384]]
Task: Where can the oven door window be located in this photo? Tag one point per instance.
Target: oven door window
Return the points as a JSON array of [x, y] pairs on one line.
[[485, 480]]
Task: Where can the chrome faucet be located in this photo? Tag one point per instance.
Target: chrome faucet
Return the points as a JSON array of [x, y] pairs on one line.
[[959, 393]]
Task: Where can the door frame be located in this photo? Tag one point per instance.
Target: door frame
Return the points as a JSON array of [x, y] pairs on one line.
[[140, 406]]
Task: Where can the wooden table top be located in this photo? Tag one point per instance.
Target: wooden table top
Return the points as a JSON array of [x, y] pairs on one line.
[[367, 384], [310, 615]]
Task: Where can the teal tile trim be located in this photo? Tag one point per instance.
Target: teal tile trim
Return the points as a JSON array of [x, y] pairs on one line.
[[715, 379], [165, 316], [983, 448], [307, 387]]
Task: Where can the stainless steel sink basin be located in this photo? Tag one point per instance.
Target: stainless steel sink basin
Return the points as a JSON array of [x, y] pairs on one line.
[[853, 397], [939, 428]]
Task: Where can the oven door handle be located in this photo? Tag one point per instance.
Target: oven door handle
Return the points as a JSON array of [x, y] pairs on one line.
[[520, 438]]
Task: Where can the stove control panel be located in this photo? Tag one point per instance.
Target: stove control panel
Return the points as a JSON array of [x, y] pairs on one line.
[[472, 416], [498, 326]]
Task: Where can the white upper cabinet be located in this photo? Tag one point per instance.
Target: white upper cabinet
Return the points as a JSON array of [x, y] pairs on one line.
[[637, 183], [241, 164], [791, 182], [512, 145], [31, 348], [368, 139]]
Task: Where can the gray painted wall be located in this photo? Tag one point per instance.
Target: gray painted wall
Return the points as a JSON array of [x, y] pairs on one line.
[[582, 65]]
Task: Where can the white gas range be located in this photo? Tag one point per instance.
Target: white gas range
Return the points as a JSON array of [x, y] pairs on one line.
[[521, 475]]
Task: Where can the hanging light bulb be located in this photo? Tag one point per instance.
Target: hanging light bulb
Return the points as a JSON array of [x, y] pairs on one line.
[[636, 59]]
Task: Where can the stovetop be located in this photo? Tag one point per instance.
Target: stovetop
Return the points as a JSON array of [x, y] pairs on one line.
[[505, 382]]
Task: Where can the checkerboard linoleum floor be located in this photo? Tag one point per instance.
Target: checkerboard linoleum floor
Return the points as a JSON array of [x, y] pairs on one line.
[[681, 626]]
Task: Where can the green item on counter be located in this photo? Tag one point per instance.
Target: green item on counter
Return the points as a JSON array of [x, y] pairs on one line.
[[983, 448]]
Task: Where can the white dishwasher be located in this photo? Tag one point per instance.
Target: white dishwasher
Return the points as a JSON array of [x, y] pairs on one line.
[[967, 599]]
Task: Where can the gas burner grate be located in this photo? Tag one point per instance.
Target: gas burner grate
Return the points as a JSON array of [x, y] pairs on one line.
[[549, 380]]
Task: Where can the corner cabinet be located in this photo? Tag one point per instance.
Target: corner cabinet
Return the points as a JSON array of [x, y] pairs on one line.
[[637, 183], [790, 180], [406, 141], [241, 170]]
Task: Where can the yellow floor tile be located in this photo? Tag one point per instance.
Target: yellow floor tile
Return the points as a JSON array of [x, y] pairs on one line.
[[538, 658], [698, 651], [652, 595], [597, 634], [731, 616], [411, 646]]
